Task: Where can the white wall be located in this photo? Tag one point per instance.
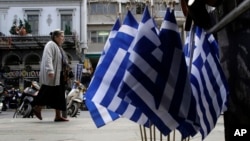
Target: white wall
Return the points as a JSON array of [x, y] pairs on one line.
[[6, 20]]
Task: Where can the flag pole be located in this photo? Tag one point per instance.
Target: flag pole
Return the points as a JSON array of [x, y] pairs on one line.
[[152, 11], [145, 133], [141, 132], [191, 46], [150, 133], [154, 133], [152, 7], [119, 10]]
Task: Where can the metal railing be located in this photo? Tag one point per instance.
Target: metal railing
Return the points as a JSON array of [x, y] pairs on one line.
[[32, 42], [236, 12]]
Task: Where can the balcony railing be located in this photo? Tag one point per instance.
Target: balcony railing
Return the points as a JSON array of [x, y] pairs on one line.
[[32, 42]]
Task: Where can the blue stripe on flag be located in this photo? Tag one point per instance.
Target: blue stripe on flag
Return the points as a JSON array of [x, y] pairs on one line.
[[207, 79]]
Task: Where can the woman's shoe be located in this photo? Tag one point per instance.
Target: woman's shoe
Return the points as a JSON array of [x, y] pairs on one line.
[[37, 112], [60, 119]]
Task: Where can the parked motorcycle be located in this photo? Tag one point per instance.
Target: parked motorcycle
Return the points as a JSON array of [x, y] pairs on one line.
[[75, 99], [25, 109], [1, 96]]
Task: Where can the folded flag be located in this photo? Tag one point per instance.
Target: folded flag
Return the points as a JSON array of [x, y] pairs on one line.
[[108, 75], [208, 81]]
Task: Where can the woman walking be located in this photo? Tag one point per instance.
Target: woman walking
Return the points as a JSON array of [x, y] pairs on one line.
[[52, 77]]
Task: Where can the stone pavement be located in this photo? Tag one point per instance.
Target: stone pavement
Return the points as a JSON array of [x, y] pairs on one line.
[[82, 128]]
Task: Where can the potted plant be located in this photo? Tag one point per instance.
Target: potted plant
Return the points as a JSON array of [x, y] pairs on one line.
[[22, 29], [67, 30]]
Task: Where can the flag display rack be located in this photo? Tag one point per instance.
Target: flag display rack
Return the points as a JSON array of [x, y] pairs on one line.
[[145, 75], [152, 134]]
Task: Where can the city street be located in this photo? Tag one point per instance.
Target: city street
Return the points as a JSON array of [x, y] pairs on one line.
[[81, 128]]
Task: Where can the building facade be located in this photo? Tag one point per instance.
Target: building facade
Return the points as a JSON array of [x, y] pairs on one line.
[[25, 26]]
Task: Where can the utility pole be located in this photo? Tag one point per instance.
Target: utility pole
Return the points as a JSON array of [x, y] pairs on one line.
[[83, 36], [83, 40]]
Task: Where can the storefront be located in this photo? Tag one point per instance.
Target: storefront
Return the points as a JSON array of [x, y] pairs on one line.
[[20, 78]]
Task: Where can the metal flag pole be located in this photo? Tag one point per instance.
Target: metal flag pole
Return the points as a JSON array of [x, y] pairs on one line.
[[243, 7], [191, 48]]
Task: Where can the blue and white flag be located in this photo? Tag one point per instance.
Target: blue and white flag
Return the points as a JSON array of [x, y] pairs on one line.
[[156, 80], [208, 81], [105, 84], [176, 97], [100, 114], [78, 72], [111, 36]]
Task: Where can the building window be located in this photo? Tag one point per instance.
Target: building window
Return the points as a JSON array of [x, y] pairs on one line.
[[32, 60], [98, 36], [32, 15], [66, 19], [66, 24], [33, 20], [103, 8], [140, 8], [12, 60]]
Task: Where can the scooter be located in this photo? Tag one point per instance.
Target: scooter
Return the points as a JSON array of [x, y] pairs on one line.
[[25, 110], [74, 99]]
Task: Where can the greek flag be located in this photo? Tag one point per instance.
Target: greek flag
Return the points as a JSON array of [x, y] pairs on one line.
[[108, 75], [111, 36], [100, 114], [156, 79], [208, 82], [176, 97], [78, 71]]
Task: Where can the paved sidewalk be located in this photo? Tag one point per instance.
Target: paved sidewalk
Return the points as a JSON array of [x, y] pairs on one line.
[[81, 129]]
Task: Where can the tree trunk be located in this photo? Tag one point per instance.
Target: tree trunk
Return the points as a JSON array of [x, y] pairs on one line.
[[234, 42]]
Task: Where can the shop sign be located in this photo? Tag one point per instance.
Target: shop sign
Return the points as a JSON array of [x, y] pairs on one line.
[[21, 73]]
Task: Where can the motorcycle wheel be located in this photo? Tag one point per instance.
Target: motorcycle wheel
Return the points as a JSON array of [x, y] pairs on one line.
[[23, 112], [73, 110]]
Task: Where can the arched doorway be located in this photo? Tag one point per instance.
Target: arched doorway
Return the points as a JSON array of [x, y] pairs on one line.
[[12, 60], [12, 79], [32, 59]]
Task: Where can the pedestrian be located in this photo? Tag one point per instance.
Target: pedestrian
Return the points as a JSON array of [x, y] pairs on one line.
[[52, 77], [13, 98]]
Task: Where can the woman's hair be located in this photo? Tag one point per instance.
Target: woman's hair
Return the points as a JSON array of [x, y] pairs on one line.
[[55, 33]]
